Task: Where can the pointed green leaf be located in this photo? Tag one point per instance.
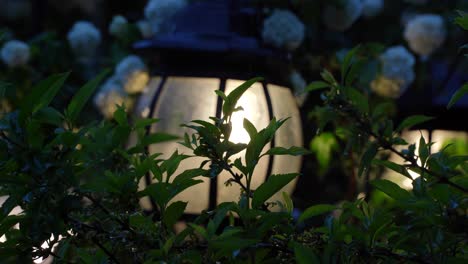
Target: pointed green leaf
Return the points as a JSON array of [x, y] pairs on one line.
[[231, 100], [412, 121], [82, 96], [393, 166], [315, 210], [317, 85], [173, 212], [367, 158], [458, 95], [272, 185], [293, 151], [347, 61], [250, 128], [392, 189]]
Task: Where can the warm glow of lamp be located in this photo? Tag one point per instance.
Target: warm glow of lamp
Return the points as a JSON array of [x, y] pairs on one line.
[[178, 100]]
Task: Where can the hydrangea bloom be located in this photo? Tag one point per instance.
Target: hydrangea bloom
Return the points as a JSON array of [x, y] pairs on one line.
[[109, 96], [371, 8], [84, 38], [144, 26], [425, 33], [132, 74], [298, 84], [118, 26], [15, 53], [340, 18], [160, 11], [397, 72], [283, 29]]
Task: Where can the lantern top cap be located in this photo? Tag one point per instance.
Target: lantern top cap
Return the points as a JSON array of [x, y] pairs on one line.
[[222, 26]]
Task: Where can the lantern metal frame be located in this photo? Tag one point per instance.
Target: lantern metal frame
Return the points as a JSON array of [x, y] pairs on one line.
[[227, 36]]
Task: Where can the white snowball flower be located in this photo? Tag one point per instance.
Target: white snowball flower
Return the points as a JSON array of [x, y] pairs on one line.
[[283, 29], [144, 26], [84, 38], [397, 72], [118, 26], [425, 33], [160, 11], [132, 73], [371, 8], [109, 96], [15, 53], [298, 84], [340, 18]]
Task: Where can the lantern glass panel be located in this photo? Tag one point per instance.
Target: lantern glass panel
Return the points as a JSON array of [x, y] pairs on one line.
[[182, 100], [290, 134]]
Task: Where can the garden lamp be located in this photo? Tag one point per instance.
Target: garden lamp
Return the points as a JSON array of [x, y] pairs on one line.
[[214, 47]]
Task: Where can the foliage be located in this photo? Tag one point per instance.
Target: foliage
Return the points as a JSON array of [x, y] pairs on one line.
[[78, 187], [78, 191]]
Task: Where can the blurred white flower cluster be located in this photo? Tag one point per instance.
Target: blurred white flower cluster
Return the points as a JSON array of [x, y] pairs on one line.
[[15, 53], [298, 84], [425, 33], [84, 38], [397, 72], [283, 29], [341, 17], [130, 77], [118, 26], [371, 8], [158, 12]]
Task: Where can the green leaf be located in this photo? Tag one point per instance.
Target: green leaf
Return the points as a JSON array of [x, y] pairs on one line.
[[423, 150], [273, 184], [221, 94], [462, 20], [41, 95], [82, 96], [157, 138], [367, 158], [315, 210], [50, 93], [144, 122], [305, 255], [250, 128], [199, 229], [8, 222], [347, 61], [328, 77], [293, 151], [317, 85], [257, 143], [323, 146], [412, 121], [458, 95], [49, 115], [358, 99], [120, 116], [393, 166], [173, 212], [288, 202], [231, 100], [392, 189]]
